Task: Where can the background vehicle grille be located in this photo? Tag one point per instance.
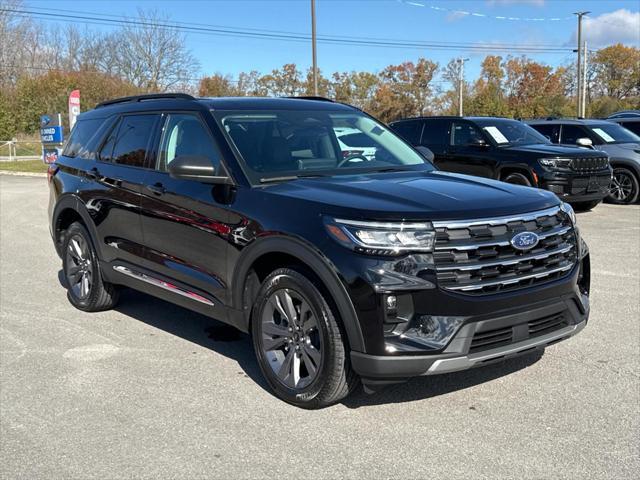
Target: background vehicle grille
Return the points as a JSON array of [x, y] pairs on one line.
[[477, 257], [589, 164]]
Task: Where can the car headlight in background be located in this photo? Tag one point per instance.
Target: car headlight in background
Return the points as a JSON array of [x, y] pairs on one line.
[[382, 238], [556, 163], [568, 209]]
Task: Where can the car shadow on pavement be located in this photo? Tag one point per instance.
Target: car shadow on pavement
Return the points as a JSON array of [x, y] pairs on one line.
[[231, 343]]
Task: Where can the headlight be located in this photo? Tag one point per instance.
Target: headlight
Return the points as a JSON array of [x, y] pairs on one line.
[[382, 238], [556, 163], [568, 209]]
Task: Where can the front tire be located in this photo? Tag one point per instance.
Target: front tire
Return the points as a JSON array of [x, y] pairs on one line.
[[298, 343], [85, 288], [624, 187]]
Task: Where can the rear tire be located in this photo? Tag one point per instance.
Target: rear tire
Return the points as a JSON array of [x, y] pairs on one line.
[[298, 342], [585, 206], [86, 290], [624, 187], [516, 178]]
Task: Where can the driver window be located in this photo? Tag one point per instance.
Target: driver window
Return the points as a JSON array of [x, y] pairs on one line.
[[185, 134], [464, 134]]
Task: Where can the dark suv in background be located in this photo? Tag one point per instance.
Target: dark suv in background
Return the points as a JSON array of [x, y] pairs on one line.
[[621, 144], [510, 151], [342, 266]]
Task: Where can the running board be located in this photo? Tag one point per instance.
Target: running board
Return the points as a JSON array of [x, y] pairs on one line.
[[156, 282]]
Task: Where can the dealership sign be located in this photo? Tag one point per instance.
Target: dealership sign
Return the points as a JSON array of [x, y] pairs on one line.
[[51, 136], [51, 129]]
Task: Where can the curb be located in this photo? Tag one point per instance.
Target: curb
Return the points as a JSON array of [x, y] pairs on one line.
[[23, 174]]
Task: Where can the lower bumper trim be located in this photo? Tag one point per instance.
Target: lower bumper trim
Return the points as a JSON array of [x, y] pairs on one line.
[[381, 367], [454, 364]]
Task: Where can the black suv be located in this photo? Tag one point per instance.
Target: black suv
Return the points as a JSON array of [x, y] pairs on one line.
[[341, 267], [510, 151]]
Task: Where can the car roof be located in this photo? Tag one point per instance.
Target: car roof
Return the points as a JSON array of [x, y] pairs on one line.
[[452, 117], [171, 101], [569, 121]]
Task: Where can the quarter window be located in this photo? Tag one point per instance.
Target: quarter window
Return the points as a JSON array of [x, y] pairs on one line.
[[83, 131], [186, 135]]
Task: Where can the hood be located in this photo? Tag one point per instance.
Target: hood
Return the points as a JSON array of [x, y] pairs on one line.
[[621, 150], [554, 150], [432, 195]]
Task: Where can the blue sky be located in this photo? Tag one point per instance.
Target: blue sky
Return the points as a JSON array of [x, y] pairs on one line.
[[527, 23]]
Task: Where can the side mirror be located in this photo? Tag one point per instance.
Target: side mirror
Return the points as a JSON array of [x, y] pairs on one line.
[[477, 143], [426, 153], [197, 168], [584, 142]]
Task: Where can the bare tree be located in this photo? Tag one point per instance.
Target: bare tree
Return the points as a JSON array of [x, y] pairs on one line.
[[151, 54]]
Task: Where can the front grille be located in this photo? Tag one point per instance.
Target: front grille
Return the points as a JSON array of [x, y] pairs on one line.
[[589, 164], [477, 257], [488, 339]]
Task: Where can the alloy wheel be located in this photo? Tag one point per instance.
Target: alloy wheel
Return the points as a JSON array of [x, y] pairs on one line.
[[79, 269], [621, 186], [290, 338]]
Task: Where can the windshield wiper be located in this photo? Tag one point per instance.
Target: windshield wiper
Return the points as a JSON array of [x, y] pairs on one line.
[[286, 178]]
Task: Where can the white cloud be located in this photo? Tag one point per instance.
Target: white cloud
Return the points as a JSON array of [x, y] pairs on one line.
[[537, 3], [621, 26]]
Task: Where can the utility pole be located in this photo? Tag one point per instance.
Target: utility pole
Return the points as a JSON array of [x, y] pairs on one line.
[[313, 47], [579, 64], [584, 80], [461, 84]]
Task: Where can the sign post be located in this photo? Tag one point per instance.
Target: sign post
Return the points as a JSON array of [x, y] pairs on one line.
[[51, 136], [74, 108]]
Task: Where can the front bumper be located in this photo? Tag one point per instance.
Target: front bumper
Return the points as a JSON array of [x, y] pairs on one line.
[[458, 355], [573, 187]]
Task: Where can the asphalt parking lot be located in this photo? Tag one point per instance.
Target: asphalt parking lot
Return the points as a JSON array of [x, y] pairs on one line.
[[152, 390]]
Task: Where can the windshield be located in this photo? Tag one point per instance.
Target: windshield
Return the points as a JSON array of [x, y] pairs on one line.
[[509, 133], [614, 133], [293, 143]]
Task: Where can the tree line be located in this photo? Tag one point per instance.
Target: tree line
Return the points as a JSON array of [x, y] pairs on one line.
[[39, 67]]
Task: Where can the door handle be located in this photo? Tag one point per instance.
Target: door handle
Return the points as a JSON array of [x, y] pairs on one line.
[[93, 173], [156, 188]]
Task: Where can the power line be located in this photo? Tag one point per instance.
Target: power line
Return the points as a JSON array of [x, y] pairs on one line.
[[288, 37]]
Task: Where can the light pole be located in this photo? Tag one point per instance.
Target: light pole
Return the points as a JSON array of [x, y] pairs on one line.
[[579, 64], [461, 84], [313, 47]]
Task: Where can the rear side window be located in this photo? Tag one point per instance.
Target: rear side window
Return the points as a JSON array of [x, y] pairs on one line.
[[129, 141], [84, 130], [435, 132], [410, 131]]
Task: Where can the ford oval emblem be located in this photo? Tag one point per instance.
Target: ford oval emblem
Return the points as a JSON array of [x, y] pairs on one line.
[[525, 240]]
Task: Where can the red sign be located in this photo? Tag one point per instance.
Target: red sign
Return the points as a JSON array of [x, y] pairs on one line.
[[74, 108]]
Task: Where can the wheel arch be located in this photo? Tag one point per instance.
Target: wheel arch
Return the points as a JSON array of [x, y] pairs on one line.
[[69, 209], [275, 251], [626, 163], [523, 170]]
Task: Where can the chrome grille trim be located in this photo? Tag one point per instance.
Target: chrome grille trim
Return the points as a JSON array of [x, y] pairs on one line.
[[473, 246], [514, 261], [476, 257], [478, 286], [526, 217]]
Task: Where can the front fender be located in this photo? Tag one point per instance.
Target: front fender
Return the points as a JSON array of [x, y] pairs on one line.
[[314, 260]]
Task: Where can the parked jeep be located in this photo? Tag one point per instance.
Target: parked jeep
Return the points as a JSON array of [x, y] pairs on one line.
[[342, 269], [509, 150], [621, 144]]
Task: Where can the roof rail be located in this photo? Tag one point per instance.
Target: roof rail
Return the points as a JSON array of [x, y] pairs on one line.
[[313, 97], [149, 96]]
